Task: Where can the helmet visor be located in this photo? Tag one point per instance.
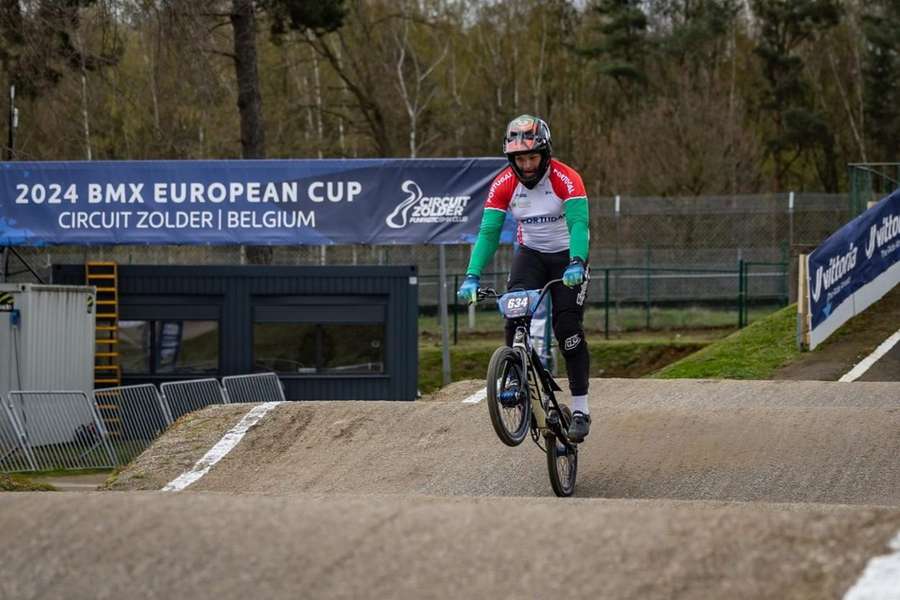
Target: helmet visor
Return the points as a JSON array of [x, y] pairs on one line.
[[525, 134]]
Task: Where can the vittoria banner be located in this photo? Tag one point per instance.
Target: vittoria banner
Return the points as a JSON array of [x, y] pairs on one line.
[[259, 202], [854, 267]]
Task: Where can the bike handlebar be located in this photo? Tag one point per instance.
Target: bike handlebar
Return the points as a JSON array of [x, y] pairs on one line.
[[492, 293], [483, 293]]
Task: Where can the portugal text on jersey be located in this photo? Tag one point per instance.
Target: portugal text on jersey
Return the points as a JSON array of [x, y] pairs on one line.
[[539, 210]]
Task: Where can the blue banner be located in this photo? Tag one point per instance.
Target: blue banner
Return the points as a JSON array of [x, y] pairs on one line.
[[854, 267], [259, 202]]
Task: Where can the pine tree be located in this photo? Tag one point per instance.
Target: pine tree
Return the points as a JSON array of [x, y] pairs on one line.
[[785, 26], [881, 76], [623, 44]]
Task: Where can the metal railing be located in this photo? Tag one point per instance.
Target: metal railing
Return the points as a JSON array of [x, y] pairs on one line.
[[183, 397], [58, 430], [871, 182], [47, 431], [259, 387], [135, 415], [15, 454], [646, 288]]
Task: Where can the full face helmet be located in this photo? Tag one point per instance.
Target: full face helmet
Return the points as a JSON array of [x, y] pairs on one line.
[[526, 134]]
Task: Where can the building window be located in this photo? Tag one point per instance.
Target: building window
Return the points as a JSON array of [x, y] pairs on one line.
[[319, 348], [169, 347]]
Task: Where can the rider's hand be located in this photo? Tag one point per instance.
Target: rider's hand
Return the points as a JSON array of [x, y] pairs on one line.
[[468, 291], [574, 274]]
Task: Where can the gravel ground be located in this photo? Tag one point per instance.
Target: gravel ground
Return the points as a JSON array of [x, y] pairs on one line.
[[688, 490], [690, 440], [200, 545]]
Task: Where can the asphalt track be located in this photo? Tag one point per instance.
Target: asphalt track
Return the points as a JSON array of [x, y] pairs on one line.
[[687, 489]]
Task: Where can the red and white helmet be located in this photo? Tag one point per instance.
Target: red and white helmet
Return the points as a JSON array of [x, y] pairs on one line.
[[526, 134]]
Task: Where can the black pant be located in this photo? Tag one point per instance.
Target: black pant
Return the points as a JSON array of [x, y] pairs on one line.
[[531, 270]]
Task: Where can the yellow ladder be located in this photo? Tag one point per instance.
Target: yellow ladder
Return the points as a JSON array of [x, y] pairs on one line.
[[107, 370], [105, 276]]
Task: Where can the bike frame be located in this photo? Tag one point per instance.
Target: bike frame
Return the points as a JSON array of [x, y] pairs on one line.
[[539, 379]]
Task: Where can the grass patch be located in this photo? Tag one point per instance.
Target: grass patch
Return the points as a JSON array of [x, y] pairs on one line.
[[754, 352], [469, 359], [68, 472], [621, 320], [18, 483]]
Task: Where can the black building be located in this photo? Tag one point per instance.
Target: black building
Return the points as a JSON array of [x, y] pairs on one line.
[[331, 333]]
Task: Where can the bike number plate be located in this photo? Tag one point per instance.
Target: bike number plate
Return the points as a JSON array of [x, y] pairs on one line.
[[514, 304]]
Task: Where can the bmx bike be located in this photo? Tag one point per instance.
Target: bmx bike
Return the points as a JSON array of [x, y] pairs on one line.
[[520, 392]]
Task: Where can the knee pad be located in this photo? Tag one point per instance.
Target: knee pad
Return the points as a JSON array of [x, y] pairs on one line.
[[569, 334]]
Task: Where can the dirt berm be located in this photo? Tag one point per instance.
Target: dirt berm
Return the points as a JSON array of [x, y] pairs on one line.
[[770, 441]]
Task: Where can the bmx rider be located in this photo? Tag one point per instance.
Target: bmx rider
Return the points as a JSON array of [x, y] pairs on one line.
[[548, 200]]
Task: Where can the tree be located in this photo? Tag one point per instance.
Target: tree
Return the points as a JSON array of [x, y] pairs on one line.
[[243, 16], [622, 25], [881, 75], [42, 41], [362, 55], [785, 25]]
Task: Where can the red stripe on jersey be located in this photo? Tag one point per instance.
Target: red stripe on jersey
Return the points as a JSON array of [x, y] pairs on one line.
[[565, 180], [501, 191]]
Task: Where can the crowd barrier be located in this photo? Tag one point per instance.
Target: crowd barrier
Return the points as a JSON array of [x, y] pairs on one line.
[[68, 430]]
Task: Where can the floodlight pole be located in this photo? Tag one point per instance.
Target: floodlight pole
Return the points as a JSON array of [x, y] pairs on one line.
[[442, 300]]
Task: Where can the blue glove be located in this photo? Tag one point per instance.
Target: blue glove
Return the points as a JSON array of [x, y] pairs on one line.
[[574, 274], [468, 291]]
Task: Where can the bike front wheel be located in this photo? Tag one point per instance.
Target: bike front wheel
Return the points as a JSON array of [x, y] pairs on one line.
[[562, 459], [507, 396]]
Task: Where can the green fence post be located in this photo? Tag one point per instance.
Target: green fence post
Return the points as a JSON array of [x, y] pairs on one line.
[[786, 271], [606, 303], [742, 292], [455, 310], [647, 267]]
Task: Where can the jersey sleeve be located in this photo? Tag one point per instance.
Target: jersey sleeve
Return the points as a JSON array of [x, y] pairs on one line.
[[566, 181], [499, 196], [501, 191], [567, 185]]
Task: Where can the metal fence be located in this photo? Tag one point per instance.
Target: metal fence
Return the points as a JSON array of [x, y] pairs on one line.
[[631, 298], [183, 397], [259, 387], [870, 182], [47, 431], [55, 430], [689, 232], [134, 416], [14, 454]]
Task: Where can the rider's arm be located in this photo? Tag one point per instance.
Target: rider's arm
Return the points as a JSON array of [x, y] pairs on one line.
[[576, 212], [499, 195], [488, 240]]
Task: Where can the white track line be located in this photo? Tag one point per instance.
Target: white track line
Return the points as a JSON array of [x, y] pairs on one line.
[[222, 447], [476, 397], [863, 365], [881, 579]]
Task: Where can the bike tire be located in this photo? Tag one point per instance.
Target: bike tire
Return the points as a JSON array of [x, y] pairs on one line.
[[562, 460], [506, 373]]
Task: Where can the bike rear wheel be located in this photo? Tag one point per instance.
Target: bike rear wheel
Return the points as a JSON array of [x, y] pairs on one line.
[[562, 460], [507, 396]]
